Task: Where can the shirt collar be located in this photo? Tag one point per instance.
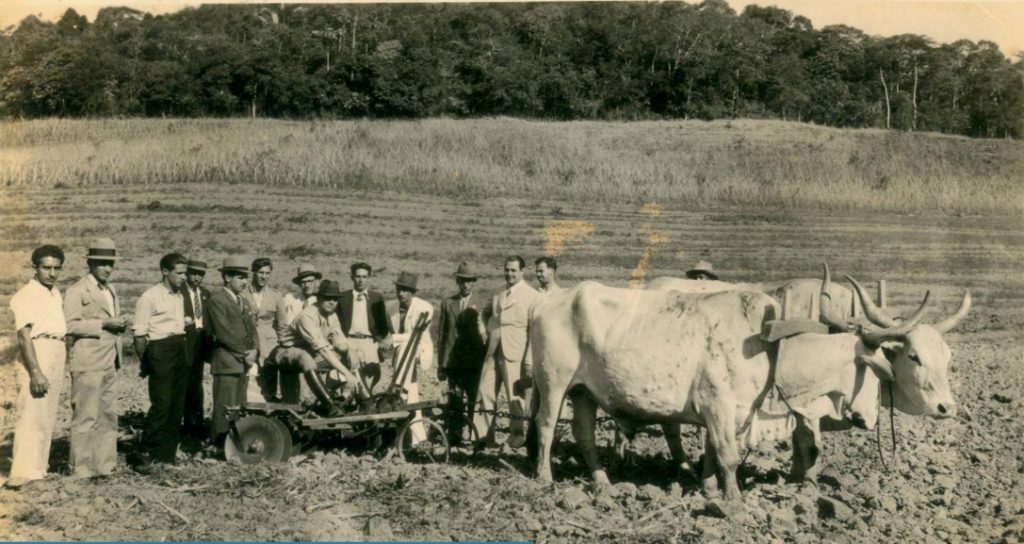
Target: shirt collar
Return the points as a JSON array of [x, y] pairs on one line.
[[39, 285], [95, 282]]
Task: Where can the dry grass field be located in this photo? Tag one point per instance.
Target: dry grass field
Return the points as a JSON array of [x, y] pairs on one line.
[[955, 480]]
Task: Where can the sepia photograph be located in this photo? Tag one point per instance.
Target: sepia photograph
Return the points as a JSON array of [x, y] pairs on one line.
[[553, 272]]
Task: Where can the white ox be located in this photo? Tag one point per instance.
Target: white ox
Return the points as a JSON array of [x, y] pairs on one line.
[[669, 357]]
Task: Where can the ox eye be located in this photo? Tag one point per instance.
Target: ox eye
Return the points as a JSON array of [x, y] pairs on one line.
[[913, 357]]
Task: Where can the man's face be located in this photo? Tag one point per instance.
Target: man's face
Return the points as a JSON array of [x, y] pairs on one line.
[[194, 278], [309, 286], [360, 278], [261, 277], [545, 275], [236, 282], [513, 273], [176, 276], [404, 295], [701, 276], [48, 271], [465, 286], [101, 270], [328, 305]]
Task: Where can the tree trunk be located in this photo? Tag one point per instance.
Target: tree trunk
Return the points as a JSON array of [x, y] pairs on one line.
[[252, 106], [913, 103], [355, 23], [888, 109]]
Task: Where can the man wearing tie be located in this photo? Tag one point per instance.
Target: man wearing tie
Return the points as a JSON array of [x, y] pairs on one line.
[[462, 348], [197, 346], [364, 321], [402, 317], [507, 353], [263, 300], [94, 323]]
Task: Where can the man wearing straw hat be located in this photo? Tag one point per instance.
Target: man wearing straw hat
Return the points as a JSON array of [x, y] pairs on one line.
[[160, 341], [462, 346], [402, 317], [702, 271], [40, 329], [234, 344], [94, 323], [195, 298], [281, 366]]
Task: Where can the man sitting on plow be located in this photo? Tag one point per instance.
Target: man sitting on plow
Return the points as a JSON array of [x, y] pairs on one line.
[[319, 344]]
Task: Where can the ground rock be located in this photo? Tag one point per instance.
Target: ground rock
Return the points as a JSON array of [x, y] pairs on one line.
[[650, 492], [625, 490], [573, 499], [830, 507], [782, 521]]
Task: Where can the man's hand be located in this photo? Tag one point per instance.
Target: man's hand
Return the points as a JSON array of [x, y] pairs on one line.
[[250, 358], [38, 385], [114, 325], [385, 343]]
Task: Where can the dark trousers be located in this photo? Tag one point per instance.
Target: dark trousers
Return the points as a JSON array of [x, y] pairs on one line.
[[168, 377], [462, 389], [228, 390], [196, 354]]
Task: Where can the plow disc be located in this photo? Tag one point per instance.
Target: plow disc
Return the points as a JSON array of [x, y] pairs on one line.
[[258, 439]]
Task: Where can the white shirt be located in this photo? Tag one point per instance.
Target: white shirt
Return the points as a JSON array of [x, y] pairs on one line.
[[107, 295], [257, 298], [159, 313], [39, 307], [359, 325]]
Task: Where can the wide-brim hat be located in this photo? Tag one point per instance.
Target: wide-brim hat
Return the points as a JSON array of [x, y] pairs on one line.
[[306, 270], [328, 289], [102, 249], [234, 264], [407, 280], [196, 265], [702, 268], [465, 271]]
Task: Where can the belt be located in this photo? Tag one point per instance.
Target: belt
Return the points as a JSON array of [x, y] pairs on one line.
[[360, 336], [170, 337], [59, 338]]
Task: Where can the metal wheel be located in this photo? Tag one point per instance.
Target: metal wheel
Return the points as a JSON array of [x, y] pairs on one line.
[[434, 449], [258, 439]]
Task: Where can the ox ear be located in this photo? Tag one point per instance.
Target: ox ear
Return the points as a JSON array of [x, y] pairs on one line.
[[879, 362]]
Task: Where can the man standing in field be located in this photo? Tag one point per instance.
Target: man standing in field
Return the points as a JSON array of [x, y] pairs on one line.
[[197, 346], [462, 348], [234, 343], [281, 365], [402, 317], [546, 269], [507, 317], [162, 345], [263, 300], [702, 271], [40, 329], [364, 322], [94, 322], [547, 285]]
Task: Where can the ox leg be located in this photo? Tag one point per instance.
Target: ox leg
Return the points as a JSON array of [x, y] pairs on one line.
[[709, 472], [721, 447], [805, 450], [545, 422], [584, 421], [674, 439]]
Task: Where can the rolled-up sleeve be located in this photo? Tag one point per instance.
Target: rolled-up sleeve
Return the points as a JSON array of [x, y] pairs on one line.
[[25, 312], [307, 326], [143, 315]]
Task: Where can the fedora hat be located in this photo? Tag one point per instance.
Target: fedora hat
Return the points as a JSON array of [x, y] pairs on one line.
[[306, 270], [702, 268], [102, 249], [234, 264], [465, 271], [407, 280], [328, 289], [196, 265]]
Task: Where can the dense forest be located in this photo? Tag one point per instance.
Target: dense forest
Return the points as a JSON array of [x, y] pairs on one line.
[[551, 61]]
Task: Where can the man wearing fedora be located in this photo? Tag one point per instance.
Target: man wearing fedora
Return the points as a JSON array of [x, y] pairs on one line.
[[197, 346], [403, 314], [364, 320], [233, 341], [281, 366], [462, 346], [702, 271], [92, 309], [263, 300], [161, 343], [319, 345], [40, 328]]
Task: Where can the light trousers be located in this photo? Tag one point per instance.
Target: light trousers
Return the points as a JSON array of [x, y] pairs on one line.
[[93, 422], [37, 417]]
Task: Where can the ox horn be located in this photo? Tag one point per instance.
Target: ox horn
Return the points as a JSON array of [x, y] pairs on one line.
[[875, 314], [875, 338], [953, 320], [827, 313]]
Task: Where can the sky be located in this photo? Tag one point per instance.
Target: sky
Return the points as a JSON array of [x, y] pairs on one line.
[[999, 21]]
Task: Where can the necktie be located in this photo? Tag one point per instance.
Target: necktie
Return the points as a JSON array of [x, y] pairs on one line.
[[462, 304], [197, 303], [360, 297], [190, 310], [306, 303]]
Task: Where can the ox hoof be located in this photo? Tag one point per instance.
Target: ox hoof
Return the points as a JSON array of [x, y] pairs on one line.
[[600, 478]]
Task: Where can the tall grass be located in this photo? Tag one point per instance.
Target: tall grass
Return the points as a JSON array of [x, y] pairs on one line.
[[682, 163]]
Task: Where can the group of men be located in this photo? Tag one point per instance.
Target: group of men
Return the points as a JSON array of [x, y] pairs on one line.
[[180, 326]]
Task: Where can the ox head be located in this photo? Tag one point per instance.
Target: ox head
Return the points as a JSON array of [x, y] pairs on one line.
[[911, 355]]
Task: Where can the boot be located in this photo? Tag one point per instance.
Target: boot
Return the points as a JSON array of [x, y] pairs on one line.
[[268, 383], [327, 407]]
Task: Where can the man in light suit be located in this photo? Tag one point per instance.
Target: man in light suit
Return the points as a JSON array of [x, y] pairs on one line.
[[263, 300], [94, 323], [507, 317], [402, 317], [234, 343], [462, 346]]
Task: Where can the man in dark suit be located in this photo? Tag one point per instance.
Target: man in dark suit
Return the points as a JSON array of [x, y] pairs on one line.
[[233, 339], [364, 320], [196, 346], [462, 341]]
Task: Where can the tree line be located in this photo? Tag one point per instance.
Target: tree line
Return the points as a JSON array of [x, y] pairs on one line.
[[551, 61]]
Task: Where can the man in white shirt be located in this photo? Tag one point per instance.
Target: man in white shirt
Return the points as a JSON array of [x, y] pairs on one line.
[[402, 317], [284, 364], [40, 328]]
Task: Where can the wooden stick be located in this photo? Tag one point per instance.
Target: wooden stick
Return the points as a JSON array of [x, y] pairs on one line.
[[506, 464], [173, 511], [659, 511]]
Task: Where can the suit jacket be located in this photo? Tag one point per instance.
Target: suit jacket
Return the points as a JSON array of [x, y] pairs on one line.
[[377, 316], [508, 317], [425, 353], [461, 335], [265, 316], [200, 344], [232, 331], [92, 347]]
